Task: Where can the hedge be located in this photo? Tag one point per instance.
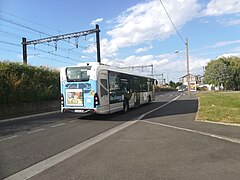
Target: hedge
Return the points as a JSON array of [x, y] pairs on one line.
[[22, 83]]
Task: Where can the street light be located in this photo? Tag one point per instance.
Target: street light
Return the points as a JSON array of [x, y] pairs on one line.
[[188, 74]]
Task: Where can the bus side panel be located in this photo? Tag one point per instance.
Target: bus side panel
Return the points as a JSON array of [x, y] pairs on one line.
[[89, 94], [103, 92]]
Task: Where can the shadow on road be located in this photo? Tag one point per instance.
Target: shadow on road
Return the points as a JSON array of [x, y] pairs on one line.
[[28, 124], [175, 108]]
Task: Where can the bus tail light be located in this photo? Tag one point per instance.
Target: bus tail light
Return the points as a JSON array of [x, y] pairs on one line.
[[62, 100], [96, 100]]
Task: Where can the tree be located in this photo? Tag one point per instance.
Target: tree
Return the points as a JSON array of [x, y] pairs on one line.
[[174, 85], [233, 63], [224, 70]]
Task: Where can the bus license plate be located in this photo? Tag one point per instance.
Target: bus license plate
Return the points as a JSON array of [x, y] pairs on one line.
[[79, 111]]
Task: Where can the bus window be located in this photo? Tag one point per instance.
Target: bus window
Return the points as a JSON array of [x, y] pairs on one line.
[[103, 87], [125, 86], [114, 87], [144, 85], [72, 86], [78, 74]]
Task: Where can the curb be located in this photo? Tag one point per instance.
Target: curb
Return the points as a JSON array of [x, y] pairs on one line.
[[220, 123]]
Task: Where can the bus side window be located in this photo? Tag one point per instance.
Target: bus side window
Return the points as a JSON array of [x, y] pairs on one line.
[[103, 87]]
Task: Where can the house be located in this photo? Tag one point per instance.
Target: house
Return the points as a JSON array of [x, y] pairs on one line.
[[197, 81], [192, 79], [184, 79]]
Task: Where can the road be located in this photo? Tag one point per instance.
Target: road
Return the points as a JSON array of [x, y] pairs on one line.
[[160, 140]]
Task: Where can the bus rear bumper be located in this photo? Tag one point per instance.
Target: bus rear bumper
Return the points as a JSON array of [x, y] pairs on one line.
[[80, 111]]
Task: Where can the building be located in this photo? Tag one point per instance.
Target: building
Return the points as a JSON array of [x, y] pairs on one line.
[[192, 79], [184, 79]]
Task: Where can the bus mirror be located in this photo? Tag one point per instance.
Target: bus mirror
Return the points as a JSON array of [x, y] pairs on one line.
[[156, 82]]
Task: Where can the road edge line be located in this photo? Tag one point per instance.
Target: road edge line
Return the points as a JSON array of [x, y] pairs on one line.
[[28, 116], [143, 115], [54, 160], [48, 163], [225, 138]]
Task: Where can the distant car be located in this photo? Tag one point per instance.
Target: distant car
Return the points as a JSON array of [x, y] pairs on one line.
[[182, 88]]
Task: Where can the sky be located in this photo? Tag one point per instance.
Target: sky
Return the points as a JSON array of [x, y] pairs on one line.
[[133, 33]]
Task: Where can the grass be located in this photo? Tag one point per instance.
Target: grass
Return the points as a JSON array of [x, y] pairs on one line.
[[219, 106]]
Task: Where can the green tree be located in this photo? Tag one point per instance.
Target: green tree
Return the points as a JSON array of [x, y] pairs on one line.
[[174, 85], [233, 63], [224, 70]]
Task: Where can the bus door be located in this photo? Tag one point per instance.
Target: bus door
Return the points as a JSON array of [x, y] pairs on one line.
[[103, 91], [136, 92]]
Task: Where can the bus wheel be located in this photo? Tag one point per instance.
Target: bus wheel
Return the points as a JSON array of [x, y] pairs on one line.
[[125, 106], [149, 99]]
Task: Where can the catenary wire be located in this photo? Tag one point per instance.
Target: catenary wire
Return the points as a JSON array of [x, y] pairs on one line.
[[172, 22]]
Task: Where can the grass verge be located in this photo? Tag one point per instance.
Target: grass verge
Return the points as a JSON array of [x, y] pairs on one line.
[[219, 106]]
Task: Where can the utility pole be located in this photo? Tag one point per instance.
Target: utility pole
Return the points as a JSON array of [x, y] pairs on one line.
[[156, 75], [62, 37], [98, 43], [188, 74], [24, 47]]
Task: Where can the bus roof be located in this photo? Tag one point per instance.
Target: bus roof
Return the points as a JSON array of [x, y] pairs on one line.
[[111, 68]]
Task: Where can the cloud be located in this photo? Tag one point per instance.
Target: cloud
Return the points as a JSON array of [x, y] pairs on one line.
[[225, 43], [165, 64], [94, 22], [221, 7], [229, 55], [147, 21], [144, 49], [230, 22]]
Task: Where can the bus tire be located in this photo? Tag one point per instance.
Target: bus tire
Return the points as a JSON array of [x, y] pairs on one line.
[[125, 106], [149, 99]]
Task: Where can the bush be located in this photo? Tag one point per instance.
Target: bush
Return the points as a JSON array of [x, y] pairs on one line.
[[22, 83]]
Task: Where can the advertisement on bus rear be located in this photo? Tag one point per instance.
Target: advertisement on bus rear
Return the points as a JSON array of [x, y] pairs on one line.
[[74, 97]]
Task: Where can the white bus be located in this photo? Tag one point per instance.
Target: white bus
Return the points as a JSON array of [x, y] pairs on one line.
[[101, 89]]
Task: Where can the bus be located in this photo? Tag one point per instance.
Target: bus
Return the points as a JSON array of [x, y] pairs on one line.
[[97, 88]]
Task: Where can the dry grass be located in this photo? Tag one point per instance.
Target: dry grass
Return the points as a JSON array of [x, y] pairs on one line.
[[219, 106]]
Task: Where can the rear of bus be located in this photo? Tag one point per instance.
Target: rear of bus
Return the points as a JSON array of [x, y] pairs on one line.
[[79, 89]]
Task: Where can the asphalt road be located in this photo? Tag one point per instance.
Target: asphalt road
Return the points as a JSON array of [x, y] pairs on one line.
[[161, 140]]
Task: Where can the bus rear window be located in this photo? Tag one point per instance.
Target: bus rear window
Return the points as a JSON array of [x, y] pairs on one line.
[[78, 74]]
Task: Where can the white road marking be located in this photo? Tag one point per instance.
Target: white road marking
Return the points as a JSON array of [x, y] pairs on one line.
[[28, 116], [143, 115], [8, 138], [56, 125], [73, 121], [43, 165], [233, 140], [46, 164], [36, 130]]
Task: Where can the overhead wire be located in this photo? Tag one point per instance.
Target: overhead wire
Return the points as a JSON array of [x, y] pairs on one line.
[[9, 43], [60, 48], [34, 31], [49, 52], [23, 26], [31, 21], [172, 22], [7, 50]]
